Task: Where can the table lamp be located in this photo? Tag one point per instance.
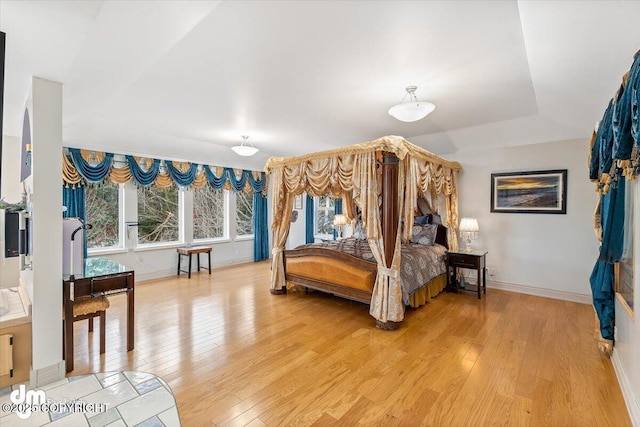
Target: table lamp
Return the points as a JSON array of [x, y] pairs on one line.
[[339, 221], [468, 231]]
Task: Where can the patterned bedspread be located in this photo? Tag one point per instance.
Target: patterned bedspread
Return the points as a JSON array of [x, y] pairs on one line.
[[420, 263]]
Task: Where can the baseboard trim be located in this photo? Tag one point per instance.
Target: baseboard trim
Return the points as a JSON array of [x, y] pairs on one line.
[[540, 292], [43, 376], [633, 406], [168, 272], [141, 277]]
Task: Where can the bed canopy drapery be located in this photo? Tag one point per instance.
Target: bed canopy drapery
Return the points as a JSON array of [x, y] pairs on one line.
[[351, 173]]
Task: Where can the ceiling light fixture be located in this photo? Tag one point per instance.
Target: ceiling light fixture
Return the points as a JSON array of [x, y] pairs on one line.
[[246, 148], [411, 110]]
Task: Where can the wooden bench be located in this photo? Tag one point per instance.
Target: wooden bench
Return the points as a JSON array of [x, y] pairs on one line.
[[190, 250]]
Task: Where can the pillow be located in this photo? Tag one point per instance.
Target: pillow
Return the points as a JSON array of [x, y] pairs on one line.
[[424, 234], [435, 219], [422, 220]]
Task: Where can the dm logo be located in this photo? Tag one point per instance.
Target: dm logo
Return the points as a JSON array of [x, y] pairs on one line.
[[26, 399]]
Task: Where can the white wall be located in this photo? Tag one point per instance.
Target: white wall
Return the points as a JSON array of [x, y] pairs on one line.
[[297, 231], [11, 192], [626, 353], [540, 254]]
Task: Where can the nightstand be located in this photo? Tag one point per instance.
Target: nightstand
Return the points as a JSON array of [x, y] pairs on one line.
[[474, 260]]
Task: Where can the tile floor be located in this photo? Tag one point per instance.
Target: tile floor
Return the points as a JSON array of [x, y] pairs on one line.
[[130, 398], [12, 307]]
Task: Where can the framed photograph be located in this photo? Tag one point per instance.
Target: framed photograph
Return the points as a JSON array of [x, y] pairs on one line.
[[297, 202], [529, 192]]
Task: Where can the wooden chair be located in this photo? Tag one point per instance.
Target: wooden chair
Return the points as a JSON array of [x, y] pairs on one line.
[[87, 308]]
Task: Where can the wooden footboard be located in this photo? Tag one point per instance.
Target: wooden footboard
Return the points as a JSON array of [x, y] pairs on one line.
[[331, 271]]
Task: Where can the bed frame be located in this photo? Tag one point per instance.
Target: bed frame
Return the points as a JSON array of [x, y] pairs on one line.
[[331, 271], [336, 272]]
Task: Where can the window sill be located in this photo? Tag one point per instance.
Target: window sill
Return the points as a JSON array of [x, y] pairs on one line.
[[157, 246], [211, 241], [105, 251], [244, 237]]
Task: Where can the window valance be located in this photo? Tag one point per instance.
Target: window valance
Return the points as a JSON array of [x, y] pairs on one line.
[[615, 145], [85, 166]]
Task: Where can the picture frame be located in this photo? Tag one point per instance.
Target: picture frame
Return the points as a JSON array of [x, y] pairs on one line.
[[542, 191], [297, 202]]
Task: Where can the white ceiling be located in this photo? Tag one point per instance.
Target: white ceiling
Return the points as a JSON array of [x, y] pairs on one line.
[[186, 79]]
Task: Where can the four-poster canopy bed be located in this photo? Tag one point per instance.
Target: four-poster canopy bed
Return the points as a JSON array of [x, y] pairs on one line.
[[383, 179]]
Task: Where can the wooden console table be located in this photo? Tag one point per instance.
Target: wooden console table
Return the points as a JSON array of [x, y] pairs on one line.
[[100, 277]]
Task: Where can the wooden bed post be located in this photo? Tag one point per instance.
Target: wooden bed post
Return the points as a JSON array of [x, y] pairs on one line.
[[389, 217], [390, 213]]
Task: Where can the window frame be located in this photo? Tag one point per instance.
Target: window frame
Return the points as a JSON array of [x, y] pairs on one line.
[[181, 226], [225, 223], [120, 247], [316, 209], [244, 236], [624, 271]]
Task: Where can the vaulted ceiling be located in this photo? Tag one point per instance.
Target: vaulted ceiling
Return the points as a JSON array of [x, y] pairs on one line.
[[186, 79]]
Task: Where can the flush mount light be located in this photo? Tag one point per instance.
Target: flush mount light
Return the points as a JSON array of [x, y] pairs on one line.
[[246, 148], [411, 110]]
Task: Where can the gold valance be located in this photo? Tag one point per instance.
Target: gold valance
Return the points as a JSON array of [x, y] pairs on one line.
[[395, 144]]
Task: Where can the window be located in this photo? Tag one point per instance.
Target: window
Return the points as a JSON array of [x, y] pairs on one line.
[[324, 215], [244, 214], [103, 210], [209, 208], [158, 214], [624, 274]]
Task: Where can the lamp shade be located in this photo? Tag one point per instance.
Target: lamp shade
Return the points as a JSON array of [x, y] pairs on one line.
[[244, 150], [411, 111], [469, 225], [339, 219]]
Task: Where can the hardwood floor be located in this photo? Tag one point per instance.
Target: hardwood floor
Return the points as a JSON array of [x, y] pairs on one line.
[[236, 355]]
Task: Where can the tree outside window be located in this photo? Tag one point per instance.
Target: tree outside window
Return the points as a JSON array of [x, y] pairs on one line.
[[103, 213], [158, 214], [244, 214], [324, 215], [209, 207]]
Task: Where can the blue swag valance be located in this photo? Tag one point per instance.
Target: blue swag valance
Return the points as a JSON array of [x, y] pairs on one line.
[[141, 176], [78, 170], [93, 174], [615, 145]]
